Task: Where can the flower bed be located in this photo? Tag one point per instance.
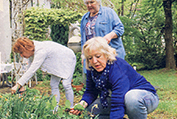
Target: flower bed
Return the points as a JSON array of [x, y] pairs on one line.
[[33, 105]]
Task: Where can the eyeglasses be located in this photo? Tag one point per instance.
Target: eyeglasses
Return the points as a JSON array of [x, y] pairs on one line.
[[90, 2]]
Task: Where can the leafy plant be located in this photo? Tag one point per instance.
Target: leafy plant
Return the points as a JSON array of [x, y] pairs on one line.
[[79, 107], [59, 33], [77, 81], [41, 76], [31, 105], [37, 20], [78, 67]]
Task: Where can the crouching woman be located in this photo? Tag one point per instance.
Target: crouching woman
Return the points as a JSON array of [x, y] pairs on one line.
[[120, 88]]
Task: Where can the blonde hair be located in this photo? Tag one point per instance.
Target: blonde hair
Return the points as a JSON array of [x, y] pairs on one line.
[[100, 44], [23, 44]]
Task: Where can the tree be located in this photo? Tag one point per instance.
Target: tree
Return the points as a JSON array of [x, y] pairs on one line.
[[170, 61], [155, 22]]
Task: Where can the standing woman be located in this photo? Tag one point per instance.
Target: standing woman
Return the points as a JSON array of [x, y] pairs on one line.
[[51, 57], [114, 85], [104, 22]]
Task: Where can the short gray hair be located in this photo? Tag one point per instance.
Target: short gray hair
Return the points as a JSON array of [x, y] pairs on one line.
[[99, 44], [96, 0]]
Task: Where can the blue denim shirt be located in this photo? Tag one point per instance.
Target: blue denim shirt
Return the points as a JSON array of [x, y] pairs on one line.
[[107, 21]]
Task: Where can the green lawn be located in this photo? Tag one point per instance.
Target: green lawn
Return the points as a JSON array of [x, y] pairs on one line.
[[166, 80]]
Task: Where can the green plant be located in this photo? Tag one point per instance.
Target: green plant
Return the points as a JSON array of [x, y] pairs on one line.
[[41, 76], [78, 67], [31, 105], [38, 19], [77, 80], [134, 64], [59, 33]]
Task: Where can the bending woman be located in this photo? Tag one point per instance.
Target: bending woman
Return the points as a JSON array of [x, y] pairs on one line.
[[51, 57]]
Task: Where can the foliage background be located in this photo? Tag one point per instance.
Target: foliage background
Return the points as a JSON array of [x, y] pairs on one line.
[[143, 21]]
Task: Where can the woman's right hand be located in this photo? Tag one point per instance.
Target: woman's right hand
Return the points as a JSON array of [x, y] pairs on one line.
[[76, 111], [18, 87], [14, 89]]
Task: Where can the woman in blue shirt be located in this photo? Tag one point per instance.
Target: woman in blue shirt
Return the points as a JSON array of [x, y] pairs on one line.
[[104, 22], [120, 88]]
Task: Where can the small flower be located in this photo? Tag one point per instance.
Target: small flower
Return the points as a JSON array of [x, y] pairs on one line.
[[5, 99], [0, 96], [22, 99]]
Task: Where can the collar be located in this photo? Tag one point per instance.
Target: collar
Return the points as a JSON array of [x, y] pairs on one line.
[[88, 13]]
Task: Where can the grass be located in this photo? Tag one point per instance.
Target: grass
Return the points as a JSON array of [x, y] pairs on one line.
[[166, 80]]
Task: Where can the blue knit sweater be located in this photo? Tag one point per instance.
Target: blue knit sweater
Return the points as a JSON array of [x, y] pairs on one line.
[[122, 78]]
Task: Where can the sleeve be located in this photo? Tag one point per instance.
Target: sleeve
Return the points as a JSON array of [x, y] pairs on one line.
[[82, 34], [39, 58], [120, 85], [91, 92], [118, 27]]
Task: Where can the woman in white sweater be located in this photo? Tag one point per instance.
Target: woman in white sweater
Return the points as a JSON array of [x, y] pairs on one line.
[[53, 58]]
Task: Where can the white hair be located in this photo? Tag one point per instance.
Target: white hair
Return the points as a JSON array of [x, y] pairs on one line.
[[100, 44], [96, 0]]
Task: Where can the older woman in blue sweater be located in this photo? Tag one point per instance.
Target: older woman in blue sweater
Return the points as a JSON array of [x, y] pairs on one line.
[[120, 88]]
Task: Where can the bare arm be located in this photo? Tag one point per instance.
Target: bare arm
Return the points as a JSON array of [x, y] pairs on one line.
[[110, 36]]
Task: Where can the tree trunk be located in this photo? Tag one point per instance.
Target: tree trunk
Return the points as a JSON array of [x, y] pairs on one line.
[[122, 8], [170, 61]]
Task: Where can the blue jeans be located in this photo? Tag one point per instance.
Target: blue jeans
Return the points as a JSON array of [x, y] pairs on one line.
[[54, 83], [138, 103]]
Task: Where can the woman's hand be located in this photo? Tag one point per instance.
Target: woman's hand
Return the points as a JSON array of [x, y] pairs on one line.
[[15, 88], [82, 56], [76, 110], [110, 36]]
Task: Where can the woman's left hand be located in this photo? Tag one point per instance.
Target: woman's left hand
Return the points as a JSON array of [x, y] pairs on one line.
[[107, 38], [110, 36]]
